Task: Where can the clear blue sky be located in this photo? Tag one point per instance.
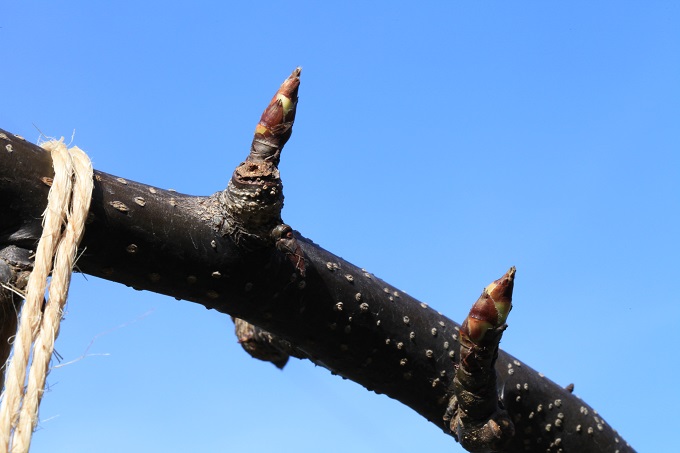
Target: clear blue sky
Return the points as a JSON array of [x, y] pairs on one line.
[[436, 144]]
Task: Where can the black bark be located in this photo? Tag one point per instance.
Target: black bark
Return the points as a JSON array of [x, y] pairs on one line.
[[332, 312]]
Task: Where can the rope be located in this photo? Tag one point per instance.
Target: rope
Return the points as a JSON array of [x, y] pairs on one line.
[[64, 218]]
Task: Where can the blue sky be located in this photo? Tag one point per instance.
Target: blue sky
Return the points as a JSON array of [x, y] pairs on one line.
[[436, 145]]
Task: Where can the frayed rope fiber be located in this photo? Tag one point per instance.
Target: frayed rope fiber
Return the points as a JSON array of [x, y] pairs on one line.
[[68, 203]]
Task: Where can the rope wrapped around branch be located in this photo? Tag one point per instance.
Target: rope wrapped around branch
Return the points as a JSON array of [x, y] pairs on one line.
[[38, 327]]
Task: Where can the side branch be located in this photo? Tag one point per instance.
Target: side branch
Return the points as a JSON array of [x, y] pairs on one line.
[[251, 205], [480, 423]]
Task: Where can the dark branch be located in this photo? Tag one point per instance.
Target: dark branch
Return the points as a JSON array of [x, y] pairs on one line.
[[219, 251]]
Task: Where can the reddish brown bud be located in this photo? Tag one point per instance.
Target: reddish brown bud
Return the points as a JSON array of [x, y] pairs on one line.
[[491, 309], [276, 123], [479, 422]]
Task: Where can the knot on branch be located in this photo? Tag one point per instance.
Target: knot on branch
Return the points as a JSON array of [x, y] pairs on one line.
[[490, 436]]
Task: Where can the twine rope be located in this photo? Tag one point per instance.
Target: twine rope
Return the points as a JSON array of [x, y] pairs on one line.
[[68, 203]]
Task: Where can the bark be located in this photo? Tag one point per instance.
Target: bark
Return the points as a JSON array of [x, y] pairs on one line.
[[219, 251]]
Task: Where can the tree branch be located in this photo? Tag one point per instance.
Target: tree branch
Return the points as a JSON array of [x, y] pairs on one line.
[[231, 252]]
